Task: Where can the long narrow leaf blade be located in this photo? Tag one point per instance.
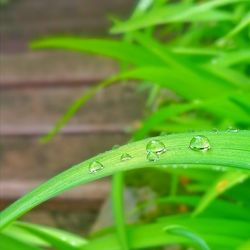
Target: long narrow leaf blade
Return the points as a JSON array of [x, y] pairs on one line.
[[228, 149]]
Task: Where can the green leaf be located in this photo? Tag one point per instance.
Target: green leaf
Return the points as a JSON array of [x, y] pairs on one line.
[[181, 12], [220, 208], [218, 233], [118, 210], [120, 50], [245, 22], [10, 243], [182, 231], [57, 238], [228, 149], [224, 182], [75, 106]]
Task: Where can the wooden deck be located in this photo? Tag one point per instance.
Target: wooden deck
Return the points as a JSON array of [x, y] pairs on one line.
[[36, 87]]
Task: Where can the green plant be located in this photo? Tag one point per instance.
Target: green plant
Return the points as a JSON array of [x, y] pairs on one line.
[[199, 52]]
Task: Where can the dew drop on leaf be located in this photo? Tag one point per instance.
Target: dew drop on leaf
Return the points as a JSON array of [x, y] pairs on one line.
[[232, 130], [95, 166], [125, 157], [156, 146], [199, 143], [152, 156]]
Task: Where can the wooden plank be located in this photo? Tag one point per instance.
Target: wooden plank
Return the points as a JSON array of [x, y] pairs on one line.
[[52, 69], [39, 130], [24, 158], [22, 21], [118, 105]]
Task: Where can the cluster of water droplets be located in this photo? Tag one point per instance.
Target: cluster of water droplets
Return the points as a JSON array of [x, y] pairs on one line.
[[155, 148]]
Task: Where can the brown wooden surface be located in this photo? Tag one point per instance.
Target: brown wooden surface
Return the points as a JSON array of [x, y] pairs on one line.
[[53, 68], [36, 87], [89, 196], [24, 20]]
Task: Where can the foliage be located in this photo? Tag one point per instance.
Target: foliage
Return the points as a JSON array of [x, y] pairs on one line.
[[199, 52]]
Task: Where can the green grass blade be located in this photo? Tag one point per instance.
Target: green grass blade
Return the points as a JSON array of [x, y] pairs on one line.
[[228, 149], [223, 209], [181, 12], [75, 106], [120, 50], [245, 22], [219, 234], [10, 243], [22, 235], [225, 182], [182, 231], [118, 209], [161, 115], [57, 238]]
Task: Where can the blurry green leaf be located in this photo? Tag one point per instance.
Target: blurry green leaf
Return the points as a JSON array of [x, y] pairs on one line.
[[10, 243], [232, 58], [219, 234], [120, 50], [225, 182], [181, 12], [118, 210], [245, 22], [182, 231], [75, 106], [57, 238]]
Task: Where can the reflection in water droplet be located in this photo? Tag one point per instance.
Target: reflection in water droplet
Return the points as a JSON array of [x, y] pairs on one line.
[[151, 156], [155, 146], [95, 166], [200, 143], [125, 157]]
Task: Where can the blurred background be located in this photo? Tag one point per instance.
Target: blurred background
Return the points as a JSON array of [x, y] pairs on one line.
[[38, 86]]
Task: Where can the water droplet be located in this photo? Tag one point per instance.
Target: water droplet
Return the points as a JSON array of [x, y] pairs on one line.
[[232, 130], [95, 166], [125, 157], [152, 156], [155, 146], [200, 143]]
